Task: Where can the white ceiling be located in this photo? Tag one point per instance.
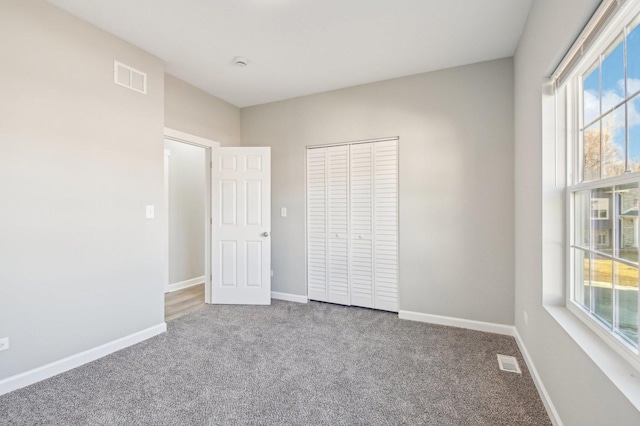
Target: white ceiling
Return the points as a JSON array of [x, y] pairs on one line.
[[299, 47]]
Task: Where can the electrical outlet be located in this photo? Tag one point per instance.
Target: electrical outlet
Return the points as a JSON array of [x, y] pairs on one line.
[[526, 318], [4, 344], [151, 212], [272, 273]]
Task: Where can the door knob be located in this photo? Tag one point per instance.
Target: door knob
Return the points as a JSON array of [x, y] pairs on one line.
[[265, 234]]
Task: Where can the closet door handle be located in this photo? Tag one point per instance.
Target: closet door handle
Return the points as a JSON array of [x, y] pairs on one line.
[[265, 234]]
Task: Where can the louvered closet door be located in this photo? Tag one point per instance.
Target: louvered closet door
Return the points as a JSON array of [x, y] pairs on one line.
[[317, 167], [385, 243], [361, 260], [338, 218]]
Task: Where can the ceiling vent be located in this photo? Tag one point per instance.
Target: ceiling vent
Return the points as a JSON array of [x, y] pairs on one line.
[[129, 77], [508, 363]]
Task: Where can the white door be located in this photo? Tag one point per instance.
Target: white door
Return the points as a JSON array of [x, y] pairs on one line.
[[241, 210]]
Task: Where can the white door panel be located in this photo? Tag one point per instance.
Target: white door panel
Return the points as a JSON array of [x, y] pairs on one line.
[[338, 209], [317, 166], [241, 208], [361, 181], [385, 245]]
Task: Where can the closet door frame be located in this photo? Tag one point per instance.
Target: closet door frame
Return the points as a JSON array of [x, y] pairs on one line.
[[306, 212]]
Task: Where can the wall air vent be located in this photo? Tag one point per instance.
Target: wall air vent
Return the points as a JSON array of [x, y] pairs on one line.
[[129, 77], [508, 363]]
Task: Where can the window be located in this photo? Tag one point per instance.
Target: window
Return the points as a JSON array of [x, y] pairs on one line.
[[599, 208], [602, 99]]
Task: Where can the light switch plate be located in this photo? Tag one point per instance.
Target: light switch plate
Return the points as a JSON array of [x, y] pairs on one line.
[[4, 343], [283, 212], [151, 212]]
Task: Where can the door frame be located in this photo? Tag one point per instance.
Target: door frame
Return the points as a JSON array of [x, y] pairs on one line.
[[209, 146]]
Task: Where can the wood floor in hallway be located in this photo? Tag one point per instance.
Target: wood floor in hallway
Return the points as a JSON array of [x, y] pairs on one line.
[[183, 301]]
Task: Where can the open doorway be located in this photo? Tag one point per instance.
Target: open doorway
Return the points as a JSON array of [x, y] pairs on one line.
[[188, 218]]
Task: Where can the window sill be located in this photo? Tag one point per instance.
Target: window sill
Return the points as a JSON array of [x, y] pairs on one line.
[[622, 374]]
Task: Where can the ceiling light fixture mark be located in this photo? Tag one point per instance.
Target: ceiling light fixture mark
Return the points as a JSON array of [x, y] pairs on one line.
[[240, 61]]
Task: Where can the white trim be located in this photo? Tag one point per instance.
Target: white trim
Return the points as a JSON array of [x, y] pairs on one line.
[[617, 343], [184, 284], [542, 391], [179, 136], [211, 148], [488, 327], [618, 370], [57, 367], [327, 145], [289, 297]]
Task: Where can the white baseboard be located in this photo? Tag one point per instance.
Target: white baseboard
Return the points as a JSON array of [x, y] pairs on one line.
[[487, 327], [41, 373], [184, 284], [289, 297], [542, 391]]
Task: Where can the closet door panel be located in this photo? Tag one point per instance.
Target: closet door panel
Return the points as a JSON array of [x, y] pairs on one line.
[[385, 223], [317, 267], [361, 260], [338, 208]]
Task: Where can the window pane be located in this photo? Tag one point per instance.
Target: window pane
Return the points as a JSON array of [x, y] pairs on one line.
[[613, 136], [613, 76], [634, 133], [591, 152], [602, 220], [627, 222], [602, 288], [591, 95], [582, 219], [633, 61], [581, 291], [626, 278]]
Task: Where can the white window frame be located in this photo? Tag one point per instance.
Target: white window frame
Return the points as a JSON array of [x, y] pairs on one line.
[[569, 97]]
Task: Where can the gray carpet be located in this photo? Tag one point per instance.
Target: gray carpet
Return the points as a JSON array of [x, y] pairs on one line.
[[290, 364]]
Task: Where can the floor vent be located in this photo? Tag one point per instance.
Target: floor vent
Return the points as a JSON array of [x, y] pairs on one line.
[[508, 363]]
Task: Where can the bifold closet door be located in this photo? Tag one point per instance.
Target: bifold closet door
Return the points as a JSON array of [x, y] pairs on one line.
[[361, 260], [352, 224], [385, 225], [317, 166], [338, 221]]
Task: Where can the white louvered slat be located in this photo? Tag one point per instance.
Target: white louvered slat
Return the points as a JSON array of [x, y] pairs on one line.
[[361, 181], [338, 221], [385, 222], [317, 224]]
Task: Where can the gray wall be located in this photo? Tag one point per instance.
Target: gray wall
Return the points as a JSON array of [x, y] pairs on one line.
[[186, 211], [456, 181], [80, 265], [194, 111], [580, 391]]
